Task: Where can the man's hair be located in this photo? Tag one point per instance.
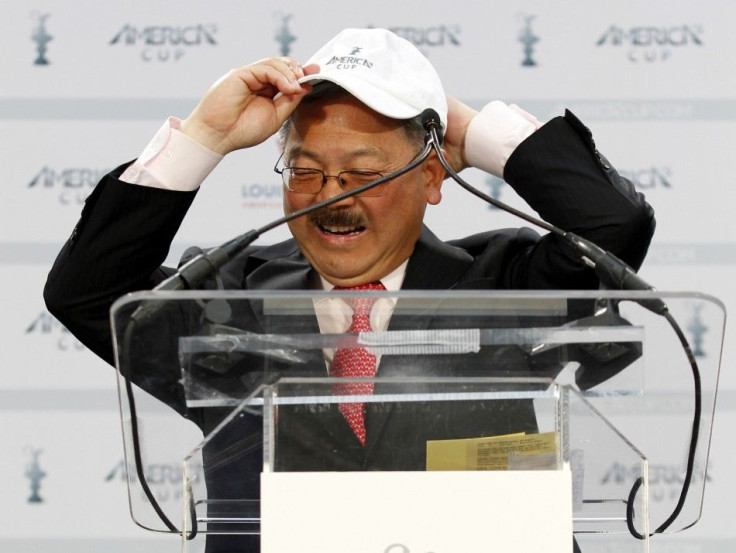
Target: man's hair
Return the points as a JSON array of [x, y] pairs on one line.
[[326, 90]]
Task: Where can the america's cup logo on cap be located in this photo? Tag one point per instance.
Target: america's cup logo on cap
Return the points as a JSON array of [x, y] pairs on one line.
[[350, 61]]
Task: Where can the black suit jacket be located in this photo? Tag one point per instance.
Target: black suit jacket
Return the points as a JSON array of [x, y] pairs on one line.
[[124, 234], [125, 231]]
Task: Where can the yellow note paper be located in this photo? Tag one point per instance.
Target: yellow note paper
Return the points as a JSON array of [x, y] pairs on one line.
[[494, 452]]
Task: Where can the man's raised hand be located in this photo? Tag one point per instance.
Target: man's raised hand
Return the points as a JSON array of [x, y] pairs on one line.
[[247, 105]]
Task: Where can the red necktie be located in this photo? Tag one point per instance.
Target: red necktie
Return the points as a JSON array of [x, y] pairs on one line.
[[356, 362]]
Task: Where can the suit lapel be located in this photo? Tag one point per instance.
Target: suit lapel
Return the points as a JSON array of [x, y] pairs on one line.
[[281, 267], [435, 265], [432, 266]]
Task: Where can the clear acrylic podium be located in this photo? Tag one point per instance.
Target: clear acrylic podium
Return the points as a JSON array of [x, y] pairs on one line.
[[573, 407]]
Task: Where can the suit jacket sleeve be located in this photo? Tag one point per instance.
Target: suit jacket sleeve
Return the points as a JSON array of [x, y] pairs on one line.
[[118, 246], [560, 173]]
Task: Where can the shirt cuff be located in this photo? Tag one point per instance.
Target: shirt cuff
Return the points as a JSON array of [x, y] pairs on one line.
[[494, 134], [172, 161]]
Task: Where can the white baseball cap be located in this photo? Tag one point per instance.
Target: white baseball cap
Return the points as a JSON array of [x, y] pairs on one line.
[[384, 71]]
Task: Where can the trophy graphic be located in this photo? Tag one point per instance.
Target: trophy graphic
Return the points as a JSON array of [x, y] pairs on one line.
[[496, 185], [698, 330], [41, 37], [35, 474], [283, 35], [528, 39]]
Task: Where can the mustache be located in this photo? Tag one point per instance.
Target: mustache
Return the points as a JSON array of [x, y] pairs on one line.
[[336, 218]]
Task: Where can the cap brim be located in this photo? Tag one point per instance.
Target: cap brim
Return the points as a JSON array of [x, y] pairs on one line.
[[372, 96]]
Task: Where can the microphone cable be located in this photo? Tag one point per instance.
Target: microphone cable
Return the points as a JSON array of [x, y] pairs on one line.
[[611, 271]]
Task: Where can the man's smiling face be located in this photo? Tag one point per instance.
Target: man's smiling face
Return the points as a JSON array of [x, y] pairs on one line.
[[358, 239]]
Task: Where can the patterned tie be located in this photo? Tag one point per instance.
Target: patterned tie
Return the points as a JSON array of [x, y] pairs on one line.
[[356, 362]]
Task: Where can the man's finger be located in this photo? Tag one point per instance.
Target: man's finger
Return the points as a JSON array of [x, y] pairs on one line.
[[288, 67], [262, 76]]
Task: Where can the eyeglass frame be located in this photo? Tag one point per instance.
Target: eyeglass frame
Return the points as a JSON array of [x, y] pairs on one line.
[[371, 192]]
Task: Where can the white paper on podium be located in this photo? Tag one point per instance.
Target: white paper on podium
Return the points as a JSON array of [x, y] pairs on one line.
[[416, 512]]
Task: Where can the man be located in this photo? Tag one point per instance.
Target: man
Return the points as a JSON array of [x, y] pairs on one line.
[[332, 137]]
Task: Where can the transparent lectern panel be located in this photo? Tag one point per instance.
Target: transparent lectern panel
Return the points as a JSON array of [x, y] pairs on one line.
[[668, 420], [434, 424], [207, 358], [155, 434], [413, 424], [592, 444], [221, 476], [409, 422]]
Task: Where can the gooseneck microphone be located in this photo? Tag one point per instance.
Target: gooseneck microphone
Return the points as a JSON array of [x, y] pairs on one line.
[[613, 273]]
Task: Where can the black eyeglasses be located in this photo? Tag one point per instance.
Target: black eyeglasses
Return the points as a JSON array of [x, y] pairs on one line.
[[304, 180]]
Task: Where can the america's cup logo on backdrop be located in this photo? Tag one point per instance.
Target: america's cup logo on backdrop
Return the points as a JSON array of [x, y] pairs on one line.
[[41, 37], [697, 329], [163, 478], [665, 480], [496, 186], [283, 36], [651, 43], [70, 185], [165, 43], [46, 324], [35, 474], [427, 37], [649, 178], [528, 39]]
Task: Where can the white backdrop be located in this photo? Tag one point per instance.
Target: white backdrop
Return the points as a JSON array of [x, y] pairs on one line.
[[652, 80]]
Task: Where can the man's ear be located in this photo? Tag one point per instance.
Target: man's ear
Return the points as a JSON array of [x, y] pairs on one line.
[[434, 175]]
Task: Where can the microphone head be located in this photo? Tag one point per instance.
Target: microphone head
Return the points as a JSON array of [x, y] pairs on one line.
[[431, 120]]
